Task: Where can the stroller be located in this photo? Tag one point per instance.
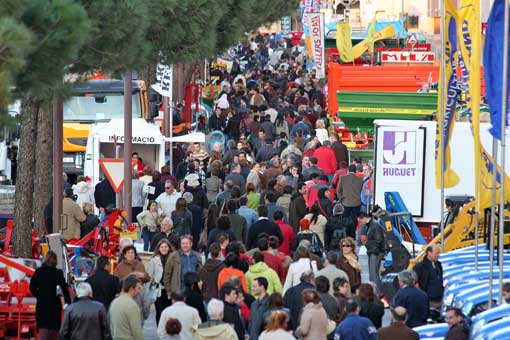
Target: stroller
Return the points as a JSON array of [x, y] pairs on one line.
[[216, 137]]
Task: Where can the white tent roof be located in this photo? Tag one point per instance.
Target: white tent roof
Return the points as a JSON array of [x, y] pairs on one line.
[[195, 137], [143, 132]]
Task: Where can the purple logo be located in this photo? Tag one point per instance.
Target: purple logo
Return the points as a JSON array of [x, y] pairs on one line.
[[399, 147]]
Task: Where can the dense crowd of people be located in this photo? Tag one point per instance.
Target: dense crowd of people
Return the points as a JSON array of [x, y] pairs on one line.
[[256, 237]]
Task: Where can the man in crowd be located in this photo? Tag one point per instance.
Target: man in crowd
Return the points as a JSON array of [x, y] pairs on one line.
[[166, 232], [124, 313], [209, 273], [297, 208], [263, 225], [179, 263], [104, 285], [259, 308], [85, 319], [430, 275], [289, 236], [376, 248], [261, 270], [215, 328], [293, 299], [249, 214], [414, 300], [355, 327], [166, 201], [73, 216], [349, 192], [457, 328], [236, 178], [330, 271], [188, 317], [231, 313], [398, 328]]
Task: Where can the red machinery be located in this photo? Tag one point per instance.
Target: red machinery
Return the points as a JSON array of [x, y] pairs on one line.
[[17, 317], [7, 250], [104, 239]]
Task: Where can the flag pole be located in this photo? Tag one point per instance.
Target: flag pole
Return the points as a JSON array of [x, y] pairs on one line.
[[504, 102], [440, 121]]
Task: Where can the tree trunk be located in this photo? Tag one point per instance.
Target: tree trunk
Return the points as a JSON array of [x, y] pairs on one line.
[[22, 235], [43, 180]]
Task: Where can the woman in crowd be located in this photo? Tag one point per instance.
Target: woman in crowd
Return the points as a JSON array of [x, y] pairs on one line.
[[193, 293], [182, 218], [371, 307], [302, 264], [157, 187], [213, 185], [313, 324], [253, 196], [348, 261], [317, 222], [48, 308], [91, 220], [232, 269], [156, 272], [276, 328], [150, 222], [306, 234], [320, 131], [131, 265], [341, 292]]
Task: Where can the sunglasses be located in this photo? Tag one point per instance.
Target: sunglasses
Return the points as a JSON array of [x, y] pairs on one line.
[[346, 246], [168, 187]]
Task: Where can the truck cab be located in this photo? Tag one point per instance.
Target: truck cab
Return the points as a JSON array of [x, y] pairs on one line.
[[96, 101]]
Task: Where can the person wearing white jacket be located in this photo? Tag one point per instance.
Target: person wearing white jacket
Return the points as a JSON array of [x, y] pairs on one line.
[[297, 268], [156, 270], [84, 191]]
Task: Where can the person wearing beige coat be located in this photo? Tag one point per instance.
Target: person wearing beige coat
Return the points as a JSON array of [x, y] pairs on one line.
[[314, 321], [179, 262], [73, 215]]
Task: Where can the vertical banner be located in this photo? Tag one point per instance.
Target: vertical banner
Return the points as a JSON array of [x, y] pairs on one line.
[[470, 46], [448, 117], [493, 65], [344, 41], [164, 80], [316, 29], [400, 160]]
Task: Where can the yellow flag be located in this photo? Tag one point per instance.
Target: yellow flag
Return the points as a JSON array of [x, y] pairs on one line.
[[447, 118], [344, 41], [371, 34], [469, 31], [362, 46]]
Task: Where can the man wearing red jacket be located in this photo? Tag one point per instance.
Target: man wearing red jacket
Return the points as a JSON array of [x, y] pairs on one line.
[[326, 159], [287, 232]]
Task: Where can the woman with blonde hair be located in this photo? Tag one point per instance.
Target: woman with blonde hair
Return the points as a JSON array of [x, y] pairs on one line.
[[91, 220], [348, 261], [276, 328], [320, 131], [313, 324]]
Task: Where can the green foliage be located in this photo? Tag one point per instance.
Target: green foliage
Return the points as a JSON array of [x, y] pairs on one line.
[[59, 27], [184, 31], [117, 39], [15, 40]]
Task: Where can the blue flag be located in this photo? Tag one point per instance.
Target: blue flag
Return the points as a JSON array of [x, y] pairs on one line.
[[493, 65]]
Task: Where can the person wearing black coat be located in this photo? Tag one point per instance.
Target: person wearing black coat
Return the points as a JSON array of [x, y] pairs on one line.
[[371, 307], [430, 275], [104, 194], [376, 248], [104, 285], [222, 227], [262, 225], [193, 294], [231, 313], [48, 308], [297, 208], [91, 220], [157, 185], [293, 298]]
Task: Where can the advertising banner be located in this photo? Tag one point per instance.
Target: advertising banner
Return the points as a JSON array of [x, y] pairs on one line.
[[164, 80], [400, 160], [316, 33]]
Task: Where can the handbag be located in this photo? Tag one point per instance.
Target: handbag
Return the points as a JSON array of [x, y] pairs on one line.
[[331, 327]]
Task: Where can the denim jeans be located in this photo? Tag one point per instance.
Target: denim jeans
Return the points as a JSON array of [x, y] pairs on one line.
[[374, 268], [147, 238]]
